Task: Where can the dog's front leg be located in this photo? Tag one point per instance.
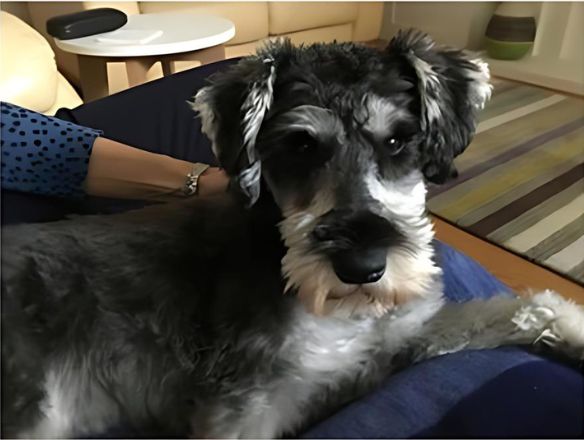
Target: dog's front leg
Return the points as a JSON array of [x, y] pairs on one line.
[[323, 364], [544, 319]]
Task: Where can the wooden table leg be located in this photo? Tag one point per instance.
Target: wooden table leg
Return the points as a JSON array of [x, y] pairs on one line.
[[204, 56], [167, 66], [93, 70], [210, 55], [137, 69], [93, 73]]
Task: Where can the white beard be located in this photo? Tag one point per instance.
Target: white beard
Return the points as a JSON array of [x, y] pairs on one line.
[[410, 271]]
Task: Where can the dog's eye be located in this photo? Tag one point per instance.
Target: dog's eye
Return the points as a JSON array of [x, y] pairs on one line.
[[395, 144], [302, 142]]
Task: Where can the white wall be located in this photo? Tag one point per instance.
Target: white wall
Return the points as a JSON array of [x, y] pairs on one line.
[[459, 24]]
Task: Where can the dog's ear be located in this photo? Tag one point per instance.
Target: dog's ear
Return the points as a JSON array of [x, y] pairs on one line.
[[452, 87], [232, 109]]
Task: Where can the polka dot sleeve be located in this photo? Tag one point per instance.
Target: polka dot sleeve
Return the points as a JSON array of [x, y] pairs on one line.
[[43, 154]]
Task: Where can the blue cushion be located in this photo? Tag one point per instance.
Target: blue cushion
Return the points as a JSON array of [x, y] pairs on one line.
[[464, 278], [535, 398]]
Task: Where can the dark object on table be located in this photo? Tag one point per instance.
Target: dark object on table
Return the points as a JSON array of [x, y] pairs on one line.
[[83, 24]]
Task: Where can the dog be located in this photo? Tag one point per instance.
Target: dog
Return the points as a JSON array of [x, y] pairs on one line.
[[258, 312]]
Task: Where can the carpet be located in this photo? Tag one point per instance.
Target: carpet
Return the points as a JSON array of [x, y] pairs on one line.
[[521, 181]]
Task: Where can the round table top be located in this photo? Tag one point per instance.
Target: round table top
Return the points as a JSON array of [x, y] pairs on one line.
[[154, 34]]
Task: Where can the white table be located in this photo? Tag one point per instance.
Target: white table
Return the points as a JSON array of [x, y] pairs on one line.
[[144, 40]]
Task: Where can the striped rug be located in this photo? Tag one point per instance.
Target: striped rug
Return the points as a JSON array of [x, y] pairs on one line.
[[521, 181]]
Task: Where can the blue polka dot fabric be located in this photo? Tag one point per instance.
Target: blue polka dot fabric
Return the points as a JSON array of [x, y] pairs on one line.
[[42, 154]]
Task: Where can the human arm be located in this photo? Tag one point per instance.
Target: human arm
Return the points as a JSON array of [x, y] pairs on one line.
[[119, 171], [49, 156]]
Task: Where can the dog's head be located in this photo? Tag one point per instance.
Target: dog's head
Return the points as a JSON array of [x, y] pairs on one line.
[[343, 137]]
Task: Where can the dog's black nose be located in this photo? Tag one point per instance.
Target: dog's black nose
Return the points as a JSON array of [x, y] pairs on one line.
[[359, 266]]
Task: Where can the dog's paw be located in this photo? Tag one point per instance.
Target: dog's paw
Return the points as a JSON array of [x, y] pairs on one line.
[[559, 322]]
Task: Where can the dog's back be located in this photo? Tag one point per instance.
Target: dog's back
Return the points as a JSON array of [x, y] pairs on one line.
[[108, 312]]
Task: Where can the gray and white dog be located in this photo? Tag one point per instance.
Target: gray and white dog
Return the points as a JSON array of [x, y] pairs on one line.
[[255, 313]]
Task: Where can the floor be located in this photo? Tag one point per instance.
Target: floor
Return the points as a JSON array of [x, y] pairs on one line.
[[518, 273], [520, 182]]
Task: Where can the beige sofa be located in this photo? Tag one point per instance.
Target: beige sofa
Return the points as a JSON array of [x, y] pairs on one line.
[[303, 22], [28, 72]]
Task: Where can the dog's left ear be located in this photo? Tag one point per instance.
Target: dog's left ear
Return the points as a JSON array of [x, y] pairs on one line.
[[452, 87], [232, 110]]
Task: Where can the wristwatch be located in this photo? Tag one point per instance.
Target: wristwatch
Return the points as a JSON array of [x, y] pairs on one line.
[[192, 182]]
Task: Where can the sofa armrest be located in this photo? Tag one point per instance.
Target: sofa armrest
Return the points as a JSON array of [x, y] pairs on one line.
[[29, 74], [66, 96]]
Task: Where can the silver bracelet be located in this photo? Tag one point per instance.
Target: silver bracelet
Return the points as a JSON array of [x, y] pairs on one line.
[[192, 182]]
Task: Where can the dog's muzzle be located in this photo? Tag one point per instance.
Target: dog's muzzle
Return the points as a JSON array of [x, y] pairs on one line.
[[356, 243]]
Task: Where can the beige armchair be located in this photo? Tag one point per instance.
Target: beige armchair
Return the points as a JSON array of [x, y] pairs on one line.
[[28, 72], [255, 22]]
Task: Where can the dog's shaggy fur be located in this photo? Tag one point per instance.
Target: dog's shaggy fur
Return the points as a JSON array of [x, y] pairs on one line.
[[255, 313]]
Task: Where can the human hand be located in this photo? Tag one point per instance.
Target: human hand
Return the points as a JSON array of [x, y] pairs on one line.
[[213, 181]]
